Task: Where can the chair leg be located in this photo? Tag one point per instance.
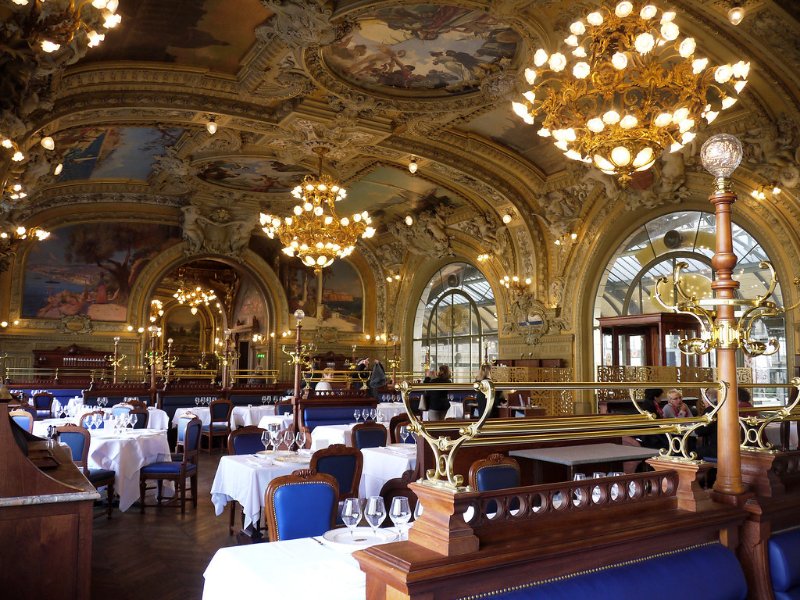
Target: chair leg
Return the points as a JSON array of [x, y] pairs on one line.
[[182, 484], [160, 484], [142, 486], [110, 492], [233, 516], [194, 491]]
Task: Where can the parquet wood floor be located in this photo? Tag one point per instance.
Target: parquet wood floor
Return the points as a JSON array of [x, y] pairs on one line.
[[159, 555]]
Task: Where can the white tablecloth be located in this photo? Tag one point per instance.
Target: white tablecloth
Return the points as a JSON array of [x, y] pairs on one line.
[[382, 464], [296, 569], [40, 427], [244, 479], [327, 435], [284, 421], [456, 410], [159, 419], [244, 416], [388, 410], [126, 454]]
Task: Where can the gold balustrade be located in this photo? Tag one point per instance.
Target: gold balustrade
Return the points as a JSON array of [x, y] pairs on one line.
[[519, 431], [754, 421]]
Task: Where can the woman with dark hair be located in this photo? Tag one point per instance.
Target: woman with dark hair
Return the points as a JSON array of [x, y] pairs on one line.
[[437, 399]]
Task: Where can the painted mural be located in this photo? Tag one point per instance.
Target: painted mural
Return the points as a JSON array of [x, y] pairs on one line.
[[184, 328], [423, 46], [250, 310], [113, 152], [89, 269], [215, 34], [252, 174], [389, 194]]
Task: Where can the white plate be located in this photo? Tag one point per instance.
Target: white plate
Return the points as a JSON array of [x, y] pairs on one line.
[[362, 537], [294, 459]]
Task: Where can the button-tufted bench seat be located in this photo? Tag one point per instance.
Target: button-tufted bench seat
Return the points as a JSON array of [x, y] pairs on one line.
[[314, 416], [784, 564]]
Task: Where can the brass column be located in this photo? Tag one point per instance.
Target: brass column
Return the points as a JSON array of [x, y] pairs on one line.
[[297, 359]]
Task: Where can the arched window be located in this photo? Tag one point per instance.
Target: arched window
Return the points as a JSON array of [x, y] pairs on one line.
[[629, 280], [456, 321]]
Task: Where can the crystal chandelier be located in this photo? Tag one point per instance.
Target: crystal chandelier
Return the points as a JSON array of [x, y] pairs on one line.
[[624, 88], [316, 234], [193, 296]]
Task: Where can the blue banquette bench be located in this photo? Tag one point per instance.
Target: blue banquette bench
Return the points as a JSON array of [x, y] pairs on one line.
[[707, 572], [784, 564], [314, 416]]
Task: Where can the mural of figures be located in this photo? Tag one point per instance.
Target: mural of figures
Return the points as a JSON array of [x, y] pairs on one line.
[[250, 309], [89, 269], [252, 174], [184, 328], [213, 33], [423, 46], [113, 152]]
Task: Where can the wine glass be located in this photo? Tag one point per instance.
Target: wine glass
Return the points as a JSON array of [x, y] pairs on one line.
[[373, 414], [351, 514], [263, 400], [375, 512], [403, 433], [197, 401], [288, 438], [275, 434], [357, 414], [300, 439], [418, 510], [265, 440], [400, 514]]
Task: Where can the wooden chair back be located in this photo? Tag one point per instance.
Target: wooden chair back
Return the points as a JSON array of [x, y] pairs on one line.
[[78, 439], [369, 435], [343, 463], [495, 472], [399, 487], [23, 418], [43, 404], [245, 440], [395, 423], [299, 505], [143, 417]]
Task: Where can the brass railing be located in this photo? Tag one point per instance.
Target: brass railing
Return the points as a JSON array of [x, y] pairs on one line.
[[754, 421], [245, 375], [520, 431]]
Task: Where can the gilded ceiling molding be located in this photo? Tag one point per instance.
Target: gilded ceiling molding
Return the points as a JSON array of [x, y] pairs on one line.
[[216, 231], [89, 196], [379, 274]]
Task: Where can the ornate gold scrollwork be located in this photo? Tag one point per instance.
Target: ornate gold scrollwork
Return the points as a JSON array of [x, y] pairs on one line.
[[754, 422]]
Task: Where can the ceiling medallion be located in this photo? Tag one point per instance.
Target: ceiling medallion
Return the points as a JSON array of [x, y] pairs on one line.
[[316, 234], [625, 87]]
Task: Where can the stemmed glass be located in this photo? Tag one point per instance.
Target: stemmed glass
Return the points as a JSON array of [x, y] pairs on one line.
[[373, 414], [275, 434], [400, 514], [288, 439], [357, 414], [375, 512], [403, 433], [197, 402], [265, 440], [300, 439], [351, 514], [263, 400]]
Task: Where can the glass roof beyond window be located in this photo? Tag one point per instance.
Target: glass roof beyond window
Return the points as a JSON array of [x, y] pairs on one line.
[[652, 251]]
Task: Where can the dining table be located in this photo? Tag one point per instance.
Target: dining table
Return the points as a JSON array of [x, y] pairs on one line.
[[240, 415], [285, 421], [244, 479], [381, 464], [326, 435], [157, 419], [125, 453], [301, 568]]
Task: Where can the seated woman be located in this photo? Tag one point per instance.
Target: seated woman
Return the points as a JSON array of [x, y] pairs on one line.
[[676, 407], [651, 403], [743, 396], [437, 399], [485, 372]]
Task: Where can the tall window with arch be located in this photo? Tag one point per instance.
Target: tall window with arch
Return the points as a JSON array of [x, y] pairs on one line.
[[456, 321], [628, 288]]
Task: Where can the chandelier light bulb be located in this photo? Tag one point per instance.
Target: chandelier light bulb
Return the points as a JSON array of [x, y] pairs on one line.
[[687, 47], [412, 165], [507, 218], [736, 15], [621, 156], [619, 60], [540, 57], [577, 28], [581, 70], [594, 18], [409, 220], [557, 62], [48, 143], [648, 12], [623, 9], [211, 126], [644, 42]]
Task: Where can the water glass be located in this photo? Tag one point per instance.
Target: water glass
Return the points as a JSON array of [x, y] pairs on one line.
[[275, 434], [288, 438], [400, 514], [300, 439], [403, 433], [265, 440], [351, 513], [375, 512], [357, 414], [373, 414]]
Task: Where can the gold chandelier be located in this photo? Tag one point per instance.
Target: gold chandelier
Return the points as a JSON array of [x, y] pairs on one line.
[[193, 296], [316, 234], [624, 88], [12, 235]]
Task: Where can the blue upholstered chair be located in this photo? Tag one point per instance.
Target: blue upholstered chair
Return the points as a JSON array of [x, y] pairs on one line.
[[180, 427], [220, 425], [784, 564], [43, 405], [78, 438], [300, 505], [142, 418], [369, 435], [495, 472], [86, 416], [343, 463], [23, 418], [176, 470], [121, 409], [245, 440]]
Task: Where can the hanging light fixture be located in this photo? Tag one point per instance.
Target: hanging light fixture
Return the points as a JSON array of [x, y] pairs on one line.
[[211, 126], [12, 235], [412, 165], [193, 295], [736, 14], [626, 87], [315, 233]]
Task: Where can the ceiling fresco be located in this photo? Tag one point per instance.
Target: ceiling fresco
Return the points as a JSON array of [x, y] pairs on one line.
[[503, 127], [113, 152], [251, 174], [214, 34], [423, 47], [389, 194]]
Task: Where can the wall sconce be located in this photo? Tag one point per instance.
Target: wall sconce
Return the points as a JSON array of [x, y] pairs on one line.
[[483, 258], [48, 143], [515, 281], [566, 239], [412, 165], [761, 192], [390, 278], [211, 126], [507, 218], [58, 169], [736, 13]]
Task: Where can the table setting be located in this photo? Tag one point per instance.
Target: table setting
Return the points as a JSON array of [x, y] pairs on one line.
[[382, 464]]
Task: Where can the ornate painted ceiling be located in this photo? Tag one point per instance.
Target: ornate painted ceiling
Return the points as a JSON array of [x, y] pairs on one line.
[[377, 84]]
